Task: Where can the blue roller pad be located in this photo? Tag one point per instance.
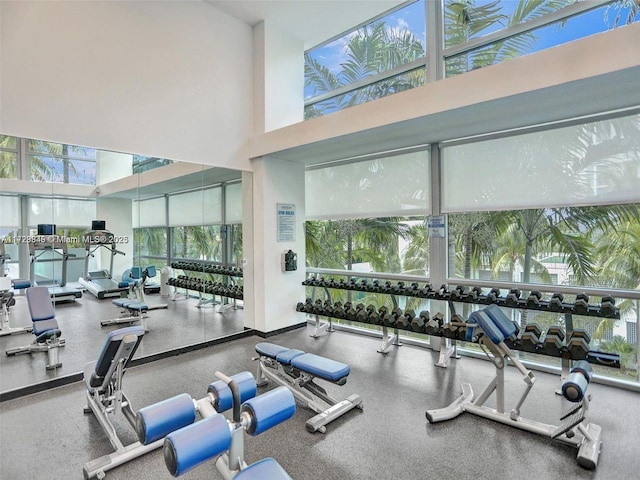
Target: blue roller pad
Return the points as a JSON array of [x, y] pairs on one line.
[[269, 409], [505, 325], [264, 469], [20, 284], [321, 367], [487, 325], [574, 387], [270, 349], [123, 285], [286, 357], [584, 368], [246, 383], [158, 420], [190, 446]]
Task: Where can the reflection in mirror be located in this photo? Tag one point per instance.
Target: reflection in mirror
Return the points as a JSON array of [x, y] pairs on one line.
[[151, 213]]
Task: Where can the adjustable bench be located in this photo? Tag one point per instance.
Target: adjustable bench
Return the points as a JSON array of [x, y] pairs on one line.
[[132, 311], [297, 370], [7, 300], [45, 327], [106, 399], [492, 328]]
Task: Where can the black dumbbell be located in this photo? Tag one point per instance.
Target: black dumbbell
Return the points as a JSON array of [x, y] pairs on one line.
[[459, 293], [426, 291], [578, 344], [328, 308], [608, 306], [492, 296], [338, 310], [433, 326], [413, 289], [398, 289], [530, 339], [418, 322], [390, 319], [404, 320], [362, 315], [373, 315], [553, 341], [533, 300], [382, 311], [555, 304], [581, 305], [450, 329], [475, 294], [513, 297]]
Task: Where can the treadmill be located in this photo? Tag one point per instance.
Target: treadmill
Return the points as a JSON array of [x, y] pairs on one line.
[[48, 241], [100, 283]]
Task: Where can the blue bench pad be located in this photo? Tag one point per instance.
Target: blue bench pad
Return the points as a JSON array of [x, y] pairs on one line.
[[270, 350], [19, 283], [316, 365], [321, 367], [130, 304], [267, 468]]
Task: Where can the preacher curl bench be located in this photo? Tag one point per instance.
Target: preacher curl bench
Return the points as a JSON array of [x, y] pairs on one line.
[[214, 436], [493, 327], [297, 370]]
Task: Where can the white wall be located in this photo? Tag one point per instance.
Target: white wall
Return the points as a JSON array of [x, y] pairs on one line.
[[278, 79], [270, 293], [166, 79], [112, 166]]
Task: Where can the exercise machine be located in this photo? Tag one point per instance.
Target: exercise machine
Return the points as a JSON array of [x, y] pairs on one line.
[[493, 328], [134, 308], [7, 300], [107, 400], [215, 437], [297, 370], [100, 283], [49, 244], [137, 279], [45, 328]]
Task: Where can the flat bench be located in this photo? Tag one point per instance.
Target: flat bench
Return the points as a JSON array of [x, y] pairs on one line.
[[297, 370]]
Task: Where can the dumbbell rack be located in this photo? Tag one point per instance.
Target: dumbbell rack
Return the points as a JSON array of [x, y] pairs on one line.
[[462, 295], [188, 282]]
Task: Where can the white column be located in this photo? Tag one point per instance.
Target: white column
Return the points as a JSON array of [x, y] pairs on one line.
[[271, 294]]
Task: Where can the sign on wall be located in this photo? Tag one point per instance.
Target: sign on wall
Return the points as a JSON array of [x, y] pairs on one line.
[[286, 222]]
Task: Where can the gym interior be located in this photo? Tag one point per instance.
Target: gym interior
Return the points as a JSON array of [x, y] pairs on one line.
[[357, 239]]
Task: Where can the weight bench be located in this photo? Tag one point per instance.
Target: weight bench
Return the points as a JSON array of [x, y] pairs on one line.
[[492, 328], [7, 300], [131, 311], [215, 436], [297, 370], [106, 399], [45, 328]]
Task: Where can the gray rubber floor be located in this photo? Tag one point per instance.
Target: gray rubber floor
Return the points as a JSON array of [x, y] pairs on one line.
[[46, 435]]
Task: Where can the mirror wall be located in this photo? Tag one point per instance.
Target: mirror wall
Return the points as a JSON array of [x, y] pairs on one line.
[[158, 211]]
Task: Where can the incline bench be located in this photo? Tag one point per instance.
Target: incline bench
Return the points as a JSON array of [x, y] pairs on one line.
[[296, 370], [45, 327]]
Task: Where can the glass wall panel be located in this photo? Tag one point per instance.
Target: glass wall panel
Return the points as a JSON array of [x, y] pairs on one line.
[[387, 43], [563, 31], [61, 163], [8, 157]]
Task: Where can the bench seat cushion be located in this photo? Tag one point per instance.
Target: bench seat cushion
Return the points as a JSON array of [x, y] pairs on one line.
[[288, 355], [270, 350], [321, 367], [267, 468]]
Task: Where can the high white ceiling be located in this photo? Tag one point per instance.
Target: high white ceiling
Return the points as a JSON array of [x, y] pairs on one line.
[[312, 21]]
